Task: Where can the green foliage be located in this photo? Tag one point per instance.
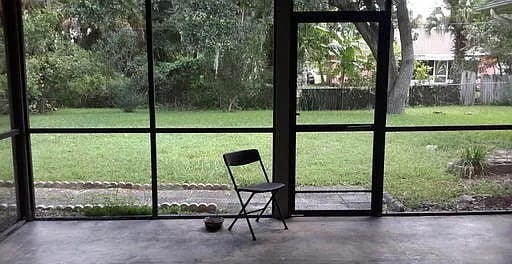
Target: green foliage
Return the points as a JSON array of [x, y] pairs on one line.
[[127, 95], [473, 155], [117, 210], [472, 160], [421, 71], [492, 36], [207, 25], [127, 210], [95, 18], [221, 58], [42, 32], [337, 51], [114, 204], [69, 76], [208, 54], [122, 51], [180, 83]]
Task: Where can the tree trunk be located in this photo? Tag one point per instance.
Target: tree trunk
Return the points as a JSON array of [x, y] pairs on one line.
[[399, 77], [459, 52], [399, 87]]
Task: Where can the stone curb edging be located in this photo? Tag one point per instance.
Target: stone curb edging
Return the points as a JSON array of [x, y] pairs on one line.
[[191, 207], [122, 185]]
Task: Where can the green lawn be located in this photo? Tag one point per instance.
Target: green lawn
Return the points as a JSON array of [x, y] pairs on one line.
[[451, 115], [413, 173]]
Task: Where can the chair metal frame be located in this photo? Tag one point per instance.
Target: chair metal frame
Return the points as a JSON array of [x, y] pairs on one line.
[[245, 157]]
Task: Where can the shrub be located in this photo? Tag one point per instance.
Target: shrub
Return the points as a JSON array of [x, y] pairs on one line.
[[421, 71], [69, 77], [127, 95]]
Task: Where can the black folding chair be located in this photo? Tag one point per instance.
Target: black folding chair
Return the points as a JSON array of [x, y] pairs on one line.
[[244, 157]]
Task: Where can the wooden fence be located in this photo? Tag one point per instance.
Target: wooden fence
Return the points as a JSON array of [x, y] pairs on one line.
[[495, 89], [468, 88]]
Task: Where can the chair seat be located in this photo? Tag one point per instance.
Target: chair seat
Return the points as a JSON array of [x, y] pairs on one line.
[[262, 187]]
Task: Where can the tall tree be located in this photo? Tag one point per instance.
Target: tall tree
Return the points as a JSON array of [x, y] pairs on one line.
[[399, 75], [493, 35]]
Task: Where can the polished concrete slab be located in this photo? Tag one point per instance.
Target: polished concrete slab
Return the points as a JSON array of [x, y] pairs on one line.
[[428, 239]]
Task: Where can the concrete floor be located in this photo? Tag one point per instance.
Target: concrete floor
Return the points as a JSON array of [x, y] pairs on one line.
[[453, 239]]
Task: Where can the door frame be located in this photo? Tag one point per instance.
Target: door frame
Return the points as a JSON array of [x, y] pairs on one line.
[[285, 123]]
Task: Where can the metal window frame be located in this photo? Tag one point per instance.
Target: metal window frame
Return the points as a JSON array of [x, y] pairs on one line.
[[283, 128], [152, 130], [17, 110]]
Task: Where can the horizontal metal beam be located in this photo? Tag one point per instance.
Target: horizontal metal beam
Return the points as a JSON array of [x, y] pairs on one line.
[[332, 213], [335, 128], [217, 130], [300, 128], [448, 128], [447, 213], [338, 16], [333, 191], [149, 130]]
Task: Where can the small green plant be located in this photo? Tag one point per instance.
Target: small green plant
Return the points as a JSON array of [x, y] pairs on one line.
[[173, 209], [131, 209], [421, 71], [115, 204], [472, 161], [118, 210]]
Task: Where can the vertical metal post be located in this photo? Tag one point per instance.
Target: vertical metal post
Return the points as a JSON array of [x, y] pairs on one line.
[[14, 44], [152, 113], [284, 110], [379, 135]]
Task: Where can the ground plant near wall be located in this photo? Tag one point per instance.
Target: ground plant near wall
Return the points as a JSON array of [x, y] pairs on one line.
[[472, 161]]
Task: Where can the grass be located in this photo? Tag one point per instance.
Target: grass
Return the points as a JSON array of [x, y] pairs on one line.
[[413, 173], [451, 115], [123, 210]]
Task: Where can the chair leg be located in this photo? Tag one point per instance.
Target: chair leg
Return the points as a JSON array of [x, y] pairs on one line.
[[264, 208], [279, 211], [241, 210], [244, 205]]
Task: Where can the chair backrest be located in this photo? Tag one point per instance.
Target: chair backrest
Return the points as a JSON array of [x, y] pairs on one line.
[[240, 158]]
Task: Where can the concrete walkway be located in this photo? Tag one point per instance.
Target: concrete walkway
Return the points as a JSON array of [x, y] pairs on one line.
[[226, 200]]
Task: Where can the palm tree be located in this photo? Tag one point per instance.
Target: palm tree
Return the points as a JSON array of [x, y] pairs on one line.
[[461, 13]]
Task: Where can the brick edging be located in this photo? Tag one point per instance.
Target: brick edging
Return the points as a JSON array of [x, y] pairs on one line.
[[191, 207], [122, 185]]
